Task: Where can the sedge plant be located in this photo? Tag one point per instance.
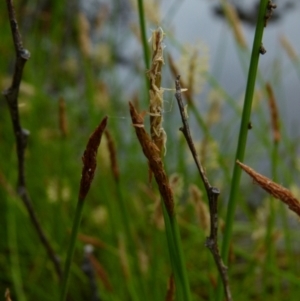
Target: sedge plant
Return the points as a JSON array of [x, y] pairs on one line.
[[88, 171]]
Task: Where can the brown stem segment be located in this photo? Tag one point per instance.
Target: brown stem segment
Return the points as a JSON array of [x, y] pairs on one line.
[[212, 195], [11, 94]]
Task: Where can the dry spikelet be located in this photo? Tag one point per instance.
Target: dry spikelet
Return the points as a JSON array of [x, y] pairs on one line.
[[208, 150], [85, 43], [193, 64], [158, 133], [7, 295], [287, 46], [175, 73], [63, 125], [170, 296], [235, 23], [153, 155], [214, 112], [276, 190], [112, 155], [89, 159], [100, 272], [96, 242], [274, 113]]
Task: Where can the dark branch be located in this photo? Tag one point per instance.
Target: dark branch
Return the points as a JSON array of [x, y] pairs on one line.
[[212, 195], [11, 94]]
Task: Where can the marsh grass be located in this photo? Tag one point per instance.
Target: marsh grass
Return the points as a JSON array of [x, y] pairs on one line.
[[122, 217]]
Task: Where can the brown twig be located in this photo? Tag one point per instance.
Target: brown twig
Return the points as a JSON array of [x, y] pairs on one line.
[[276, 190], [212, 195], [21, 135], [153, 154]]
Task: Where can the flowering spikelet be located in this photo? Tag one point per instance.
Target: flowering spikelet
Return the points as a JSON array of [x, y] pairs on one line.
[[158, 134], [85, 43], [276, 190]]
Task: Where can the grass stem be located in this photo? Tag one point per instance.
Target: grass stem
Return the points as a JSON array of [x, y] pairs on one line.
[[242, 141], [71, 249]]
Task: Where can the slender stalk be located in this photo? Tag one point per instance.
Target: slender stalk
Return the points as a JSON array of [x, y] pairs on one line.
[[171, 249], [144, 39], [180, 261], [271, 251], [241, 147], [71, 249], [143, 33], [14, 256]]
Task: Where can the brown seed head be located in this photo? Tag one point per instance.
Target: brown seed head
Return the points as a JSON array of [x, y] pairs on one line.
[[153, 155], [274, 113], [89, 159], [276, 190]]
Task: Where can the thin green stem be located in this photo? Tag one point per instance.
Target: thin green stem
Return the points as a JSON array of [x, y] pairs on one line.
[[71, 249], [14, 256], [241, 147], [180, 262], [143, 33], [177, 257], [172, 252], [144, 39]]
